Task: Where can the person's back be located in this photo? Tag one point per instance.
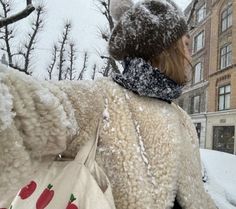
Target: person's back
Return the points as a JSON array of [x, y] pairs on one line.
[[149, 150]]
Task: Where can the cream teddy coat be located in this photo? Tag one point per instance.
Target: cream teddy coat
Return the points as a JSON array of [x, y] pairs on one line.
[[147, 147]]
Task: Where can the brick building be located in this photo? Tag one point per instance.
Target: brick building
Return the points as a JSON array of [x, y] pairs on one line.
[[210, 96]]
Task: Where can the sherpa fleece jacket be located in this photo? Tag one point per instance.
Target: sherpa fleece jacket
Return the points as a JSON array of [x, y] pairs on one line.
[[148, 148]]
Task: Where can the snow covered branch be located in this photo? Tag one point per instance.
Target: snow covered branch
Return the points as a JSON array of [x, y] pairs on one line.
[[14, 18], [65, 36], [54, 60], [103, 7], [110, 63], [81, 75], [20, 58], [29, 45], [94, 72], [72, 58]]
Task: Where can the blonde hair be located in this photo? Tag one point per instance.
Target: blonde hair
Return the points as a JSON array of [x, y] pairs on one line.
[[171, 62]]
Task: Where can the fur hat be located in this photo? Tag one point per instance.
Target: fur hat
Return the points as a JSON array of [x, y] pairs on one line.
[[145, 29]]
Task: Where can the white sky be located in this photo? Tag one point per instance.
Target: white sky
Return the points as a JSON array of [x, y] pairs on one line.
[[85, 18]]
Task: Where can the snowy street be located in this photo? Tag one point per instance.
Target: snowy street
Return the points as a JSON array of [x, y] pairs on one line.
[[220, 176]]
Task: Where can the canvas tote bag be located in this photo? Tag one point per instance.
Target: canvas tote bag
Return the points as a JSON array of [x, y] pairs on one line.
[[80, 184]]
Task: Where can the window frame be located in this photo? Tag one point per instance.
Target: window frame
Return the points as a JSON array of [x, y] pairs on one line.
[[224, 95], [226, 18], [193, 104], [194, 74], [225, 55], [198, 127], [203, 7], [195, 50]]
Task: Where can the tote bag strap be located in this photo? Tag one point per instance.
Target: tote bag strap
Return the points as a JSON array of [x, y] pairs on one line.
[[88, 152]]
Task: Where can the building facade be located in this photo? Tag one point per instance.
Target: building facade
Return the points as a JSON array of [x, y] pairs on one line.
[[210, 96], [222, 78]]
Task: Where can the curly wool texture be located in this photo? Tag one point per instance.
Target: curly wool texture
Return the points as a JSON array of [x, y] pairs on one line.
[[41, 122], [141, 148], [145, 172], [6, 103], [191, 148], [41, 127], [145, 140]]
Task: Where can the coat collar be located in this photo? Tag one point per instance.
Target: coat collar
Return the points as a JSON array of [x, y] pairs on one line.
[[140, 77]]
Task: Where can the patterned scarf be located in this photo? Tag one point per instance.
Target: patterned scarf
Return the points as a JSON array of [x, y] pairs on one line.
[[145, 80]]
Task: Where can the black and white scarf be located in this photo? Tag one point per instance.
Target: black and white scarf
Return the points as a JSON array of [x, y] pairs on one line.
[[140, 77]]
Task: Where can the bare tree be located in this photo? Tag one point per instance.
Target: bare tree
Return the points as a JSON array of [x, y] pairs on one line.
[[63, 42], [72, 58], [51, 66], [8, 37], [64, 56], [103, 7], [112, 63], [29, 46], [94, 71], [104, 33], [7, 33], [85, 62], [14, 18]]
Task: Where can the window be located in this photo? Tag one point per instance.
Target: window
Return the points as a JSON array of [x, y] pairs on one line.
[[198, 129], [198, 73], [201, 13], [198, 42], [225, 56], [226, 18], [224, 97], [195, 107], [223, 138]]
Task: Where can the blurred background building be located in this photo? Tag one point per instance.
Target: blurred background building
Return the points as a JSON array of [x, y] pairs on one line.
[[210, 96]]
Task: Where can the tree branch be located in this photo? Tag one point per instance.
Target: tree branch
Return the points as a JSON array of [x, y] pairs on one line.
[[7, 33], [72, 59], [54, 59], [14, 18], [110, 62], [105, 4], [81, 75], [36, 26], [104, 9], [94, 72], [65, 35]]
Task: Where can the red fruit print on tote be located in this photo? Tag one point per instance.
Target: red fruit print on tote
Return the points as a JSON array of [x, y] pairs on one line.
[[28, 190], [45, 198], [70, 204], [6, 208]]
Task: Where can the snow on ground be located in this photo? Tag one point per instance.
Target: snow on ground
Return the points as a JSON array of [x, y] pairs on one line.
[[220, 176]]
